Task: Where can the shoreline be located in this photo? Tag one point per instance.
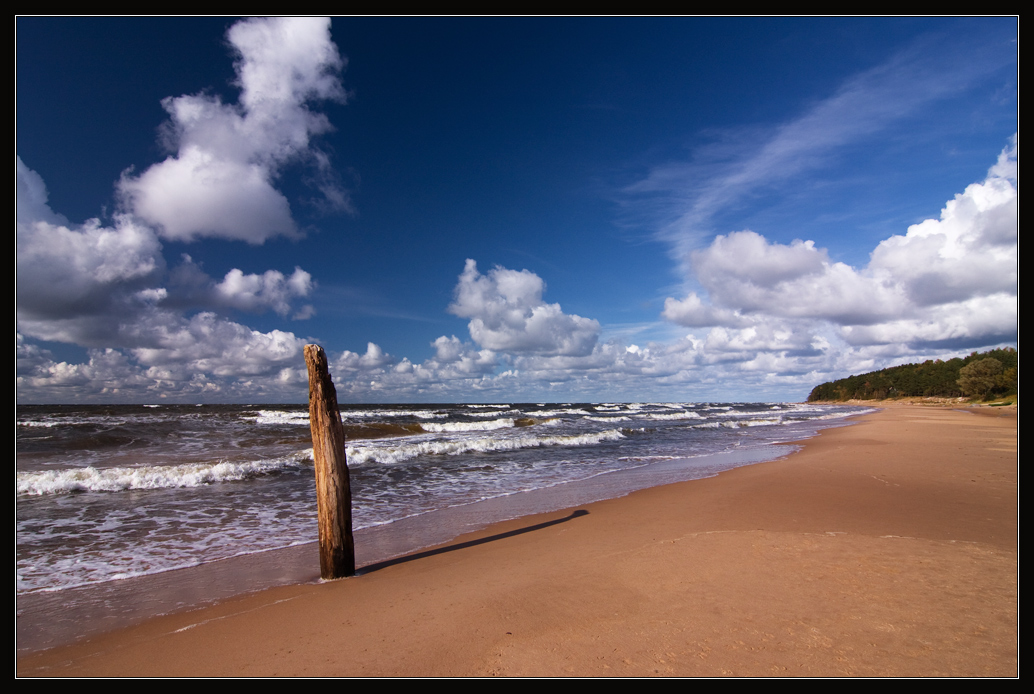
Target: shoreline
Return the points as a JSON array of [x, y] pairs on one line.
[[49, 619], [884, 548]]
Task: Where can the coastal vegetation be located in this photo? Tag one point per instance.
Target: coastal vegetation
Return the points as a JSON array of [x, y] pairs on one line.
[[982, 375]]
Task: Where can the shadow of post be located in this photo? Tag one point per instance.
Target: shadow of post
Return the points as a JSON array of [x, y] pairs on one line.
[[470, 543]]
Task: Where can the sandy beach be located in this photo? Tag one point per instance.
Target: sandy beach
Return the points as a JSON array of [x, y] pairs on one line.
[[887, 548]]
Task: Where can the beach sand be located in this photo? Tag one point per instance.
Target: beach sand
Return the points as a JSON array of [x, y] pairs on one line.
[[887, 548]]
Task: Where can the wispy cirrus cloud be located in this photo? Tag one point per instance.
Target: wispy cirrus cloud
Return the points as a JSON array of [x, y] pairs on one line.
[[687, 196]]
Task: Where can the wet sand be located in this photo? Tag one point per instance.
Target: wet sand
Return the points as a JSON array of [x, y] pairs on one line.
[[888, 548]]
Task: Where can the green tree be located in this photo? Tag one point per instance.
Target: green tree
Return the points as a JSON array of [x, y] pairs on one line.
[[979, 377]]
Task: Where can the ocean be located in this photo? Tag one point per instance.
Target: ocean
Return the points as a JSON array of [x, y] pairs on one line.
[[128, 511]]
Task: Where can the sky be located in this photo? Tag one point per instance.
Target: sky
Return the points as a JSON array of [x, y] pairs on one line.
[[508, 209]]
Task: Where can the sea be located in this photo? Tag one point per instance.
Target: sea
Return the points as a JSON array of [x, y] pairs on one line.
[[130, 511]]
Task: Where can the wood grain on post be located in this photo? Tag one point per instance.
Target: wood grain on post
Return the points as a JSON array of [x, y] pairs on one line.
[[333, 493]]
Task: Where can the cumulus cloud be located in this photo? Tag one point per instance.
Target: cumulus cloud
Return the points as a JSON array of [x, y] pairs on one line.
[[108, 371], [206, 343], [456, 370], [106, 287], [64, 272], [271, 290], [748, 364], [100, 287], [162, 354], [513, 357], [454, 359], [374, 359], [191, 287], [252, 365], [771, 318], [220, 181], [74, 281], [745, 275], [694, 312], [507, 313], [776, 317], [32, 198], [970, 251], [767, 318], [950, 280]]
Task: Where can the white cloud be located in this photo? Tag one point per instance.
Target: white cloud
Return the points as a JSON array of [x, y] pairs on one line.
[[773, 318], [950, 280], [767, 317], [270, 290], [208, 344], [694, 312], [75, 281], [99, 287], [220, 182], [776, 318], [456, 359], [752, 363], [190, 287], [105, 287], [174, 358], [507, 313], [970, 251], [64, 271], [108, 371], [197, 194], [31, 198], [983, 321], [455, 371], [745, 275], [374, 360]]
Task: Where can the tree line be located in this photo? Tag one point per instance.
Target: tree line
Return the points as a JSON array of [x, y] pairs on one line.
[[985, 375]]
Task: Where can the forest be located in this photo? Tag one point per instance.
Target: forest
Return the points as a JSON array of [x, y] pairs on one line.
[[984, 375]]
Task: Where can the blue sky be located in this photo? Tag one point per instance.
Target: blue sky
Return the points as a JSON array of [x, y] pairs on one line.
[[492, 209]]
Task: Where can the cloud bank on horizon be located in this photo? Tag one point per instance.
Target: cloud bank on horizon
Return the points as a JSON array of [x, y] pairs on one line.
[[754, 315]]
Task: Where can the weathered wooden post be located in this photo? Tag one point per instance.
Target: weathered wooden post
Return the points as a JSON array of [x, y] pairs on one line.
[[333, 493]]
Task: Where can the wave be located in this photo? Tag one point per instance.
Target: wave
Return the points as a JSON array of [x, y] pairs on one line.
[[656, 416], [556, 413], [279, 417], [115, 479], [420, 414], [494, 413], [434, 428], [396, 454], [742, 423]]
